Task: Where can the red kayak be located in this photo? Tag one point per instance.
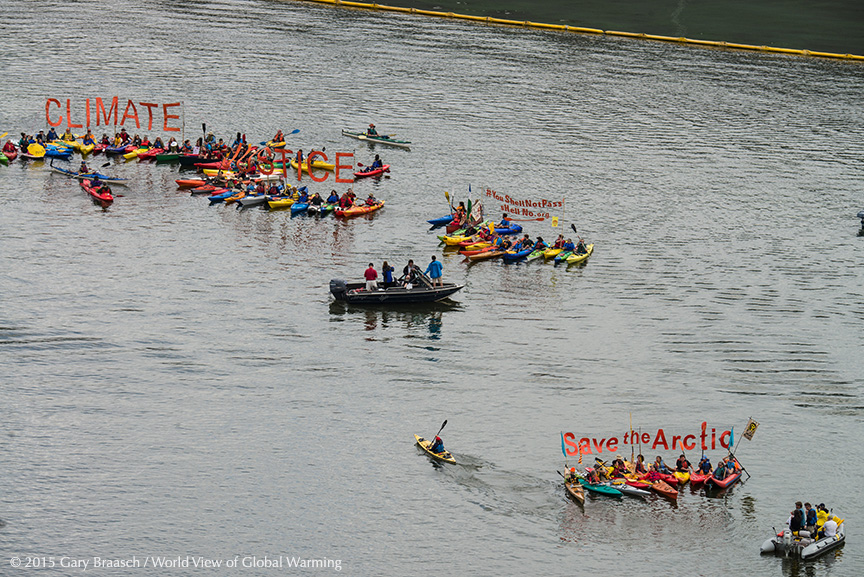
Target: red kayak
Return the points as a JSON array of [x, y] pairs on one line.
[[98, 148], [479, 250], [373, 172], [150, 154], [102, 199], [216, 165], [190, 182], [697, 479], [357, 210], [638, 484], [208, 189], [131, 147], [11, 155], [724, 483]]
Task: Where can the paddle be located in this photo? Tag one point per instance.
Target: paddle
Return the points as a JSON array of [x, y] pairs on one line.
[[450, 204], [436, 434], [3, 135]]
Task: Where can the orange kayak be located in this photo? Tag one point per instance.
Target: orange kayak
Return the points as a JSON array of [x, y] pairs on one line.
[[665, 489], [358, 210]]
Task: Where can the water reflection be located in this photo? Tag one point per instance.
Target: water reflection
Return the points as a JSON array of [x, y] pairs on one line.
[[427, 318]]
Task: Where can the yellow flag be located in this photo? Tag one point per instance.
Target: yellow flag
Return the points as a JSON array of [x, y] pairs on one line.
[[554, 221]]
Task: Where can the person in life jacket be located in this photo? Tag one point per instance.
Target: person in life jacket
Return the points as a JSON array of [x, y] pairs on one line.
[[682, 465], [145, 142], [376, 164], [83, 169], [460, 215], [371, 130], [659, 465], [809, 517], [124, 136], [279, 137], [333, 198], [68, 136], [437, 446], [571, 476], [705, 465], [640, 469], [52, 134], [371, 200], [304, 195], [559, 242]]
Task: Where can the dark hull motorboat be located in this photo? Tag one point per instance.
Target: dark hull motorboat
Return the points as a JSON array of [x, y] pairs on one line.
[[356, 293]]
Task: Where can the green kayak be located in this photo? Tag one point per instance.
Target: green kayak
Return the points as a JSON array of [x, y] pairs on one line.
[[171, 157], [377, 139], [601, 489]]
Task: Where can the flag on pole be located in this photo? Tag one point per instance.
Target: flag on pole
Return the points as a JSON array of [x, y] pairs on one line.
[[563, 450], [554, 221], [750, 429], [731, 438]]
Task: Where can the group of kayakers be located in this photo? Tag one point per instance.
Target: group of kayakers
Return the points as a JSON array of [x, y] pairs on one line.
[[620, 468]]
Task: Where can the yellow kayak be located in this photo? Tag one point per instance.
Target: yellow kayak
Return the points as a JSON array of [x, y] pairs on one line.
[[315, 164], [280, 203], [478, 246], [682, 477], [551, 252], [134, 153], [574, 258], [87, 148], [453, 240], [424, 444], [222, 173]]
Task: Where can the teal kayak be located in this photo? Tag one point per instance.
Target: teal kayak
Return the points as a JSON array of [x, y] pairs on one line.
[[601, 489]]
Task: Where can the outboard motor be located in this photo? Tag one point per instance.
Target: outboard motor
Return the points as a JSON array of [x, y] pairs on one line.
[[338, 288], [787, 542]]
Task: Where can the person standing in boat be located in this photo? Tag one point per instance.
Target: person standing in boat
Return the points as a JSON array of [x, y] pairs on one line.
[[434, 271], [796, 521], [371, 276], [387, 274], [409, 273], [809, 517]]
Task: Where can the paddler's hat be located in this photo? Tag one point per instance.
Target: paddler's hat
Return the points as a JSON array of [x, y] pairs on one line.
[[371, 126], [618, 457]]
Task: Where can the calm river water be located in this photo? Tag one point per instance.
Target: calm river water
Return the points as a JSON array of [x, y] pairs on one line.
[[176, 379]]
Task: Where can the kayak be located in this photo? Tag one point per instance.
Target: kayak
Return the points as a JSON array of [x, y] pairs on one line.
[[444, 456], [190, 159], [599, 489], [213, 164], [469, 252], [576, 491], [513, 256], [665, 489], [149, 154], [208, 189], [235, 197], [697, 480], [577, 258], [280, 202], [214, 198], [378, 139], [358, 210], [299, 207], [485, 254], [441, 221], [86, 148], [562, 256], [373, 172], [551, 252], [320, 164], [11, 155], [135, 152], [683, 477], [327, 207], [621, 485], [535, 254], [115, 150], [271, 144], [65, 154], [170, 157], [723, 483], [190, 182], [220, 172], [252, 200], [99, 148], [476, 245], [102, 199], [453, 240], [510, 229]]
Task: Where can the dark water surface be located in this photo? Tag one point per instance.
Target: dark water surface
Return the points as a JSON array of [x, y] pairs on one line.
[[176, 380]]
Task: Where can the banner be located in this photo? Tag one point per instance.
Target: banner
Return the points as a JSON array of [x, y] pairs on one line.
[[84, 113], [527, 208], [704, 439], [750, 429]]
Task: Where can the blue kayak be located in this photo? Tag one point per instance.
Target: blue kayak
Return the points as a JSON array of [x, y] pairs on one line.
[[55, 153], [514, 256], [508, 228], [221, 197], [299, 207], [116, 149], [441, 221]]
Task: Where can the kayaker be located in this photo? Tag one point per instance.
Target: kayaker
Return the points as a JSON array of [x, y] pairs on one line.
[[705, 465], [640, 469], [96, 183], [559, 242], [172, 144], [299, 157], [52, 134], [371, 131], [40, 138], [67, 136], [158, 143], [682, 465], [88, 139], [333, 198], [83, 169], [145, 142], [571, 477], [437, 446], [434, 271], [580, 247], [345, 201], [371, 276], [658, 462], [124, 136], [279, 137], [539, 244], [371, 200], [387, 274], [303, 196], [619, 469], [460, 215], [376, 164], [136, 140], [316, 200], [9, 146]]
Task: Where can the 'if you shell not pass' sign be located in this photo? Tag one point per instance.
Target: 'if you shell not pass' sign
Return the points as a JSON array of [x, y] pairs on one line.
[[526, 208]]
